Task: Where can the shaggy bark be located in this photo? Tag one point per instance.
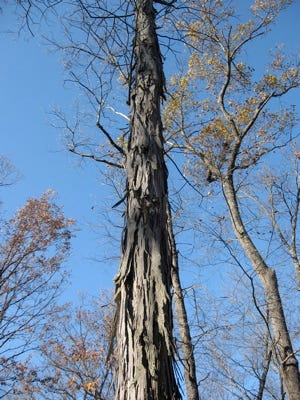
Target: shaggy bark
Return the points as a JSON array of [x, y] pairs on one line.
[[144, 334], [289, 364]]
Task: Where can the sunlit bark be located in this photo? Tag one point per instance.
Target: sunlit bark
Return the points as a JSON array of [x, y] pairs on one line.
[[268, 278], [186, 344], [144, 349]]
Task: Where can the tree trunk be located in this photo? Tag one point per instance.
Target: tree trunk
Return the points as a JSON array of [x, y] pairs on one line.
[[289, 364], [268, 353], [187, 348], [144, 336]]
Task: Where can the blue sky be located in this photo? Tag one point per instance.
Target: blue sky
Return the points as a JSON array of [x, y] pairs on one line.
[[31, 81]]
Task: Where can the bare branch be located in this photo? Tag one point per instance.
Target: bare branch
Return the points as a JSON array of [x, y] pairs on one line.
[[95, 158]]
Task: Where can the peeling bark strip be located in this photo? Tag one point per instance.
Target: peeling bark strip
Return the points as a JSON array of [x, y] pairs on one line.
[[144, 335]]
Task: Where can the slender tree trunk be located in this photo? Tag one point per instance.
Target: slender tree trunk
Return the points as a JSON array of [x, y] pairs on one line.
[[144, 335], [268, 354], [187, 348], [268, 278], [263, 378]]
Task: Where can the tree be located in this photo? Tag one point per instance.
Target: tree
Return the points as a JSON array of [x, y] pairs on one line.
[[236, 130], [186, 343], [112, 44], [106, 48], [281, 204], [72, 362], [145, 348], [234, 340], [34, 244], [8, 173]]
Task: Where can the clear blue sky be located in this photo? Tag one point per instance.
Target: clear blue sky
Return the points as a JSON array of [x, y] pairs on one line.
[[31, 81]]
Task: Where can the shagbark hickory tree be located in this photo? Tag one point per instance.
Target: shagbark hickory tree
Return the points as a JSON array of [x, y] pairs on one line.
[[108, 44], [145, 349]]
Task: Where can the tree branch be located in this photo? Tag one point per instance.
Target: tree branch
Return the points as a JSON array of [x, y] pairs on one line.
[[95, 158], [165, 3], [108, 136]]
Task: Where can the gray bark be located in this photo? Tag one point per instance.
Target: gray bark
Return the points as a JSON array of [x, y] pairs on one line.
[[187, 348], [144, 335], [289, 364], [263, 377]]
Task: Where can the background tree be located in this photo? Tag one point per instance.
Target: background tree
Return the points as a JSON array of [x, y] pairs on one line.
[[232, 332], [235, 131], [34, 244], [72, 362], [8, 172]]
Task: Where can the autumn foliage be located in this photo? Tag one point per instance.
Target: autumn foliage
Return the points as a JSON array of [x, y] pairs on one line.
[[75, 352], [34, 243], [226, 115], [222, 108]]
